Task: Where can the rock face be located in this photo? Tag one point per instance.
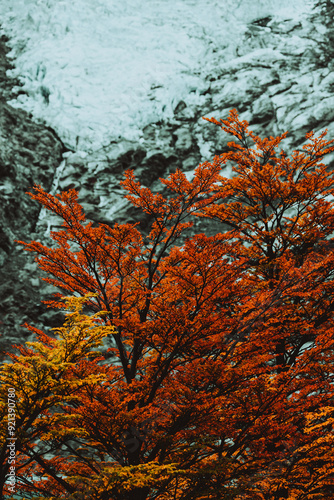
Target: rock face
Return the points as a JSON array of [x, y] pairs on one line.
[[281, 79], [29, 153]]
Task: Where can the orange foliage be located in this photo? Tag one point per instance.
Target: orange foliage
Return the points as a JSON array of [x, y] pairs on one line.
[[215, 373]]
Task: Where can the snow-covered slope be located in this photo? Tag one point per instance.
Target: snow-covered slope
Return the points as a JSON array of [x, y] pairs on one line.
[[98, 69]]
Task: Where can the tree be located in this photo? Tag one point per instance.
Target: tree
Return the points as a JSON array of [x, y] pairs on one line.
[[215, 372]]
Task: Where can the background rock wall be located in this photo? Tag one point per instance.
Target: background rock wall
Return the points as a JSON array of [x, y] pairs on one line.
[[281, 79], [29, 153]]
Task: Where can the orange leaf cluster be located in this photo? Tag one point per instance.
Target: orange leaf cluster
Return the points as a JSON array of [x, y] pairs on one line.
[[207, 368]]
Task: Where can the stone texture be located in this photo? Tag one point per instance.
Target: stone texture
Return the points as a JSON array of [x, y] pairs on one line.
[[29, 154], [281, 79]]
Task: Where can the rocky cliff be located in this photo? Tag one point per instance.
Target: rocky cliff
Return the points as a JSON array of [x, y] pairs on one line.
[[29, 153], [280, 79]]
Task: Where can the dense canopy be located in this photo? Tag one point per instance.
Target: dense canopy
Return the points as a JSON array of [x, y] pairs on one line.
[[189, 366]]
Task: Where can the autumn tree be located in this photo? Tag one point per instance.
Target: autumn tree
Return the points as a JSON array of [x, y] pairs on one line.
[[205, 367]]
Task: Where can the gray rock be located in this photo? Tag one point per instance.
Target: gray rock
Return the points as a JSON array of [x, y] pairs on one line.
[[29, 154], [281, 79]]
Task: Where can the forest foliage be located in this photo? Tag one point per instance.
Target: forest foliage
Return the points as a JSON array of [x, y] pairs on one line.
[[189, 366]]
